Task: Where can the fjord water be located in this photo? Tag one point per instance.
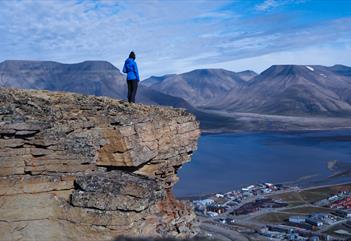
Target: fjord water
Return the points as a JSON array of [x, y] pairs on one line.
[[224, 162]]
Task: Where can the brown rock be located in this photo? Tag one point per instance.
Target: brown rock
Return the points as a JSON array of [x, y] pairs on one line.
[[21, 184], [13, 143], [75, 167]]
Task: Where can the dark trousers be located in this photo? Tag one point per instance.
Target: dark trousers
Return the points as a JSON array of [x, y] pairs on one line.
[[132, 89]]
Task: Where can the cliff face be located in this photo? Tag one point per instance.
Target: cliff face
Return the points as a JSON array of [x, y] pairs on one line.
[[76, 167]]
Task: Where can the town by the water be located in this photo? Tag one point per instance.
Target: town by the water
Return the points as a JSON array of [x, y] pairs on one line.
[[269, 211]]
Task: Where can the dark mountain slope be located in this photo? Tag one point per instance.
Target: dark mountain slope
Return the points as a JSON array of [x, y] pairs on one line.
[[247, 75], [341, 69], [292, 90], [99, 78], [198, 87], [89, 77], [156, 79]]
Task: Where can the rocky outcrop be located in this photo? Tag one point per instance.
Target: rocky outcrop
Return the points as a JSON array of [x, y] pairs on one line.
[[75, 167]]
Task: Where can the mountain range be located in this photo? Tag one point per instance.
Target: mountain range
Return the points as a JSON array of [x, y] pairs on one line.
[[198, 87], [220, 99], [98, 78], [295, 90]]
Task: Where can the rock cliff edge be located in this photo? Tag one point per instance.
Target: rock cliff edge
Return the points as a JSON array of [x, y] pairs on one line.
[[75, 167]]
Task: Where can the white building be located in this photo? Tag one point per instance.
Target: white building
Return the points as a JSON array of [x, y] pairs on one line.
[[204, 202], [212, 214], [297, 219], [248, 188]]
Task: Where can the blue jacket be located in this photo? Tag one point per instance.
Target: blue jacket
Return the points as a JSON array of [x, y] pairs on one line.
[[130, 67]]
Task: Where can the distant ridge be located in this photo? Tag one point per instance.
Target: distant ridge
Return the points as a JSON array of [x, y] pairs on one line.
[[198, 87], [95, 65], [156, 79], [88, 77], [93, 77], [341, 69], [247, 75], [293, 90]]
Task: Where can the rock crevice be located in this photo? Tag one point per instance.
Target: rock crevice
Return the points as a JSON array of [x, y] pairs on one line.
[[74, 166]]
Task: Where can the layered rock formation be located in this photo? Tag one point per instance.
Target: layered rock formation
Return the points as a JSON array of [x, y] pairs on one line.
[[76, 167]]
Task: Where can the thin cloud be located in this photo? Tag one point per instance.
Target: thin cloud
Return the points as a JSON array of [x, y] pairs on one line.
[[270, 4], [267, 4], [168, 36]]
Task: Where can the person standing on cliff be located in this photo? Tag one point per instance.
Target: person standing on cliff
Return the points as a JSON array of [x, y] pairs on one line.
[[131, 69]]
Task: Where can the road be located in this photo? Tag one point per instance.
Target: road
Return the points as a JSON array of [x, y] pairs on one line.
[[230, 232], [223, 232]]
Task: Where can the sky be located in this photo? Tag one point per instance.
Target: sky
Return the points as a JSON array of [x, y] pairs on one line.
[[176, 36]]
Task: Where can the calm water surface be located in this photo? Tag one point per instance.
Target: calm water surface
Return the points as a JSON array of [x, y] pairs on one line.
[[225, 162]]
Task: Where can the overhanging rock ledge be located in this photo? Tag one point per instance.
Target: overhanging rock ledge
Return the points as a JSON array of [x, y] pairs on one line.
[[76, 167]]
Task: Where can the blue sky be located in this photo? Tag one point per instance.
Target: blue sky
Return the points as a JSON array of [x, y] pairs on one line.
[[172, 36]]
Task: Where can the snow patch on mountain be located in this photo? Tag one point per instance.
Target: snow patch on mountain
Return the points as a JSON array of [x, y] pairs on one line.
[[310, 68]]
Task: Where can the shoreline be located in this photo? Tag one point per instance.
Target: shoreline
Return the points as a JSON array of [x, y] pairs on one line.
[[288, 183], [248, 122], [293, 131]]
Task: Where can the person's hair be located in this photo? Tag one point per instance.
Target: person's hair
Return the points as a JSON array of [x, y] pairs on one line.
[[132, 55]]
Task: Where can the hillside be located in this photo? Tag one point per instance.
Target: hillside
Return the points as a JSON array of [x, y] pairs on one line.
[[89, 77], [247, 75], [293, 90], [198, 87], [98, 78], [153, 80]]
